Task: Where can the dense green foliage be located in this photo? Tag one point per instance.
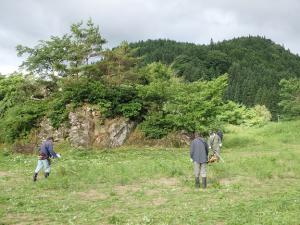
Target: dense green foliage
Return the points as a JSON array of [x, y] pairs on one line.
[[290, 98], [20, 119], [70, 55], [257, 184], [19, 112], [240, 115], [173, 104], [163, 85], [112, 100], [255, 65]]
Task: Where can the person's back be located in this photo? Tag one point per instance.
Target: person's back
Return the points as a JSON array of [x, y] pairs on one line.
[[199, 152], [215, 144], [214, 141], [46, 150], [199, 156]]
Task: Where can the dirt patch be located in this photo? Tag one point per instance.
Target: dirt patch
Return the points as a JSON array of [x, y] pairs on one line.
[[92, 195], [21, 218], [124, 189], [220, 223], [239, 179], [152, 192], [5, 174], [28, 148], [164, 181], [227, 181], [159, 201]]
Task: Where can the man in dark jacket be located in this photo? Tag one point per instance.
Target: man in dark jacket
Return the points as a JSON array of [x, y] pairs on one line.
[[220, 133], [199, 156], [46, 152]]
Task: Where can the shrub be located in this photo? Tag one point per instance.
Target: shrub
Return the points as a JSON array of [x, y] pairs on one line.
[[233, 113], [238, 114], [20, 119], [258, 116], [290, 98], [156, 125], [131, 109]]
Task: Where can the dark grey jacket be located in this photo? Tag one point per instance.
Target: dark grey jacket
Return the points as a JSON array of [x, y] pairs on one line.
[[199, 151]]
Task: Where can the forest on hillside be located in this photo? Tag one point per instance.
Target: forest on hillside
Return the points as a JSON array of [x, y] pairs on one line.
[[163, 85], [255, 66]]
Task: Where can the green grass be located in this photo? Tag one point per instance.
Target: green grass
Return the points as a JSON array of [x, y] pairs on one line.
[[257, 184]]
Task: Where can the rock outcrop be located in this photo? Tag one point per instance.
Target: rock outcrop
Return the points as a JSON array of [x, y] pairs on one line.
[[86, 128], [113, 132], [82, 127], [47, 130]]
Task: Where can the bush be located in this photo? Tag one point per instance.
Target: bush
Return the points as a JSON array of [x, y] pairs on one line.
[[233, 113], [20, 119], [131, 109], [238, 114], [290, 98], [156, 126], [58, 112], [111, 100], [182, 105], [258, 116]]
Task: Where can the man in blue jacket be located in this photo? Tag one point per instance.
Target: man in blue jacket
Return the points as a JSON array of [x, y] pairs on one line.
[[199, 156], [46, 152]]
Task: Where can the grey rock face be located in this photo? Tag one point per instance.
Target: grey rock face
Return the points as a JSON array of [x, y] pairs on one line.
[[114, 132], [82, 126], [87, 129], [47, 130]]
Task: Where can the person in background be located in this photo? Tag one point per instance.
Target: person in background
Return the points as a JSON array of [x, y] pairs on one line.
[[199, 156], [220, 133], [46, 152], [215, 143]]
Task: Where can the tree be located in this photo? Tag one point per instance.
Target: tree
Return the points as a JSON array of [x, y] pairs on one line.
[[195, 106], [290, 97], [119, 64], [173, 104], [69, 55], [253, 63], [15, 89]]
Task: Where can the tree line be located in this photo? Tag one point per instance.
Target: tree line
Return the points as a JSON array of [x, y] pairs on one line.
[[175, 87], [255, 66]]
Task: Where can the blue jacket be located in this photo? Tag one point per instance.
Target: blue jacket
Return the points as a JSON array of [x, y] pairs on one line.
[[47, 151]]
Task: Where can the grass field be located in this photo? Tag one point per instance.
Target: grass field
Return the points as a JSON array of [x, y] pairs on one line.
[[258, 184]]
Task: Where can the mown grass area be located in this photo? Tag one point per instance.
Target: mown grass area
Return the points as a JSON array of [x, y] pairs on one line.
[[257, 184]]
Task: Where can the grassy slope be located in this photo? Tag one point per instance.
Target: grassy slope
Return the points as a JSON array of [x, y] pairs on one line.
[[258, 184]]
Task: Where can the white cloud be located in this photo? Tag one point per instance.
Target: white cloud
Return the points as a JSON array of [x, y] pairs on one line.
[[27, 21]]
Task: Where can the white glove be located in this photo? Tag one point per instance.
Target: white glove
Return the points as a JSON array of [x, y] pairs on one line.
[[58, 155], [191, 160], [221, 145]]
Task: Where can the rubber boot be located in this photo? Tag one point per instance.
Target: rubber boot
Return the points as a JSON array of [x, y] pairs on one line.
[[34, 178], [47, 175], [197, 182], [204, 182]]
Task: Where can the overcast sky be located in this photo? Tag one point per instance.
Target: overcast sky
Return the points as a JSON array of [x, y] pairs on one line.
[[27, 21]]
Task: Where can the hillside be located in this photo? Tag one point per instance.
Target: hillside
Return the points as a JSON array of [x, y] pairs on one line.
[[144, 85], [257, 184], [255, 65]]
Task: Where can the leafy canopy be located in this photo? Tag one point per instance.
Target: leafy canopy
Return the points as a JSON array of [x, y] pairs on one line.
[[72, 54], [290, 97]]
